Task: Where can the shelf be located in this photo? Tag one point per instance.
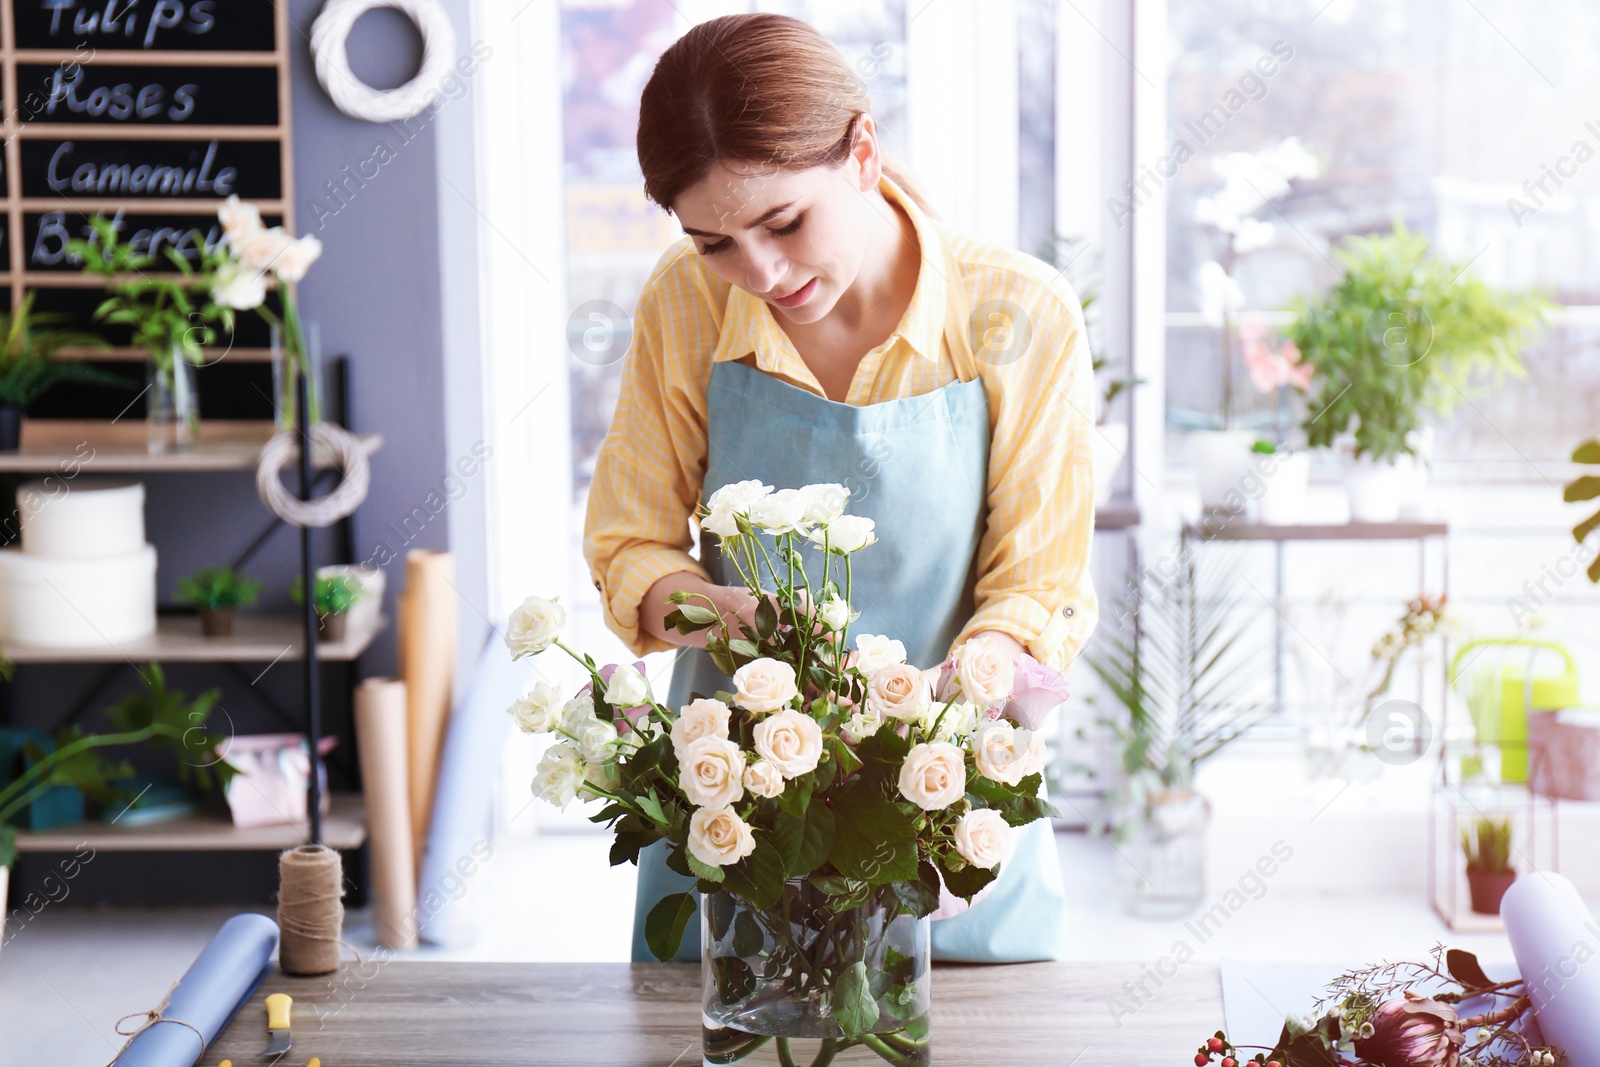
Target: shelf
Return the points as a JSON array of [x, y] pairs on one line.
[[1117, 515], [344, 827], [68, 447], [1335, 531], [255, 639]]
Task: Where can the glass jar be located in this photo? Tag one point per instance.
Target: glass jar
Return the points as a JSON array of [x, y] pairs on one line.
[[1161, 864], [172, 404], [801, 984]]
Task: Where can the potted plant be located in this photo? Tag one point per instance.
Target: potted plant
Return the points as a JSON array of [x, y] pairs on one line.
[[1219, 443], [29, 367], [1277, 369], [1183, 678], [334, 596], [173, 318], [1489, 873], [1402, 331], [217, 591], [1586, 487]]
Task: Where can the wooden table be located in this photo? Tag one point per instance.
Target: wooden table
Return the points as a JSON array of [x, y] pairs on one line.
[[409, 1014]]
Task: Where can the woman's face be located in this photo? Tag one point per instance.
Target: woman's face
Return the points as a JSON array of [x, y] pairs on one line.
[[796, 239]]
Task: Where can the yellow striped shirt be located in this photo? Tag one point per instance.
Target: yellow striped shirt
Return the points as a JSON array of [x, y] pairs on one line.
[[1033, 558]]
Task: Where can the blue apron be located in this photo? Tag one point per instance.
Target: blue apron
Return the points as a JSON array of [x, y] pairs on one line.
[[918, 467]]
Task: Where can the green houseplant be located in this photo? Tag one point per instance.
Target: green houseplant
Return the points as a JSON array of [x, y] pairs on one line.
[[1179, 664], [172, 318], [29, 367], [217, 591], [1487, 846], [1403, 333], [333, 596], [1586, 487]]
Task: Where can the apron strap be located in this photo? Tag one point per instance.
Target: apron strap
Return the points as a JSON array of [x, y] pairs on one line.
[[957, 315]]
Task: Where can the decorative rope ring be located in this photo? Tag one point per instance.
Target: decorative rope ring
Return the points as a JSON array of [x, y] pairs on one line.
[[360, 100], [349, 456]]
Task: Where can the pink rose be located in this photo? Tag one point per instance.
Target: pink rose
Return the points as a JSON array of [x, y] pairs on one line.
[[944, 686], [1035, 691]]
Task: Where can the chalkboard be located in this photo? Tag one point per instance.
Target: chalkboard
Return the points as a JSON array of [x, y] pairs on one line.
[[149, 113]]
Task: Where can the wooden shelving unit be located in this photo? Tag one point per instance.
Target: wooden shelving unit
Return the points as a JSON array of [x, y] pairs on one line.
[[345, 827], [255, 639], [70, 447]]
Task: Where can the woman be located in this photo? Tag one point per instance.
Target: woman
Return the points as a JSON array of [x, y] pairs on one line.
[[818, 325]]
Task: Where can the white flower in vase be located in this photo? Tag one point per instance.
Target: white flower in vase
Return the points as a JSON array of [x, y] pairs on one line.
[[1220, 294], [699, 718], [627, 688], [763, 779], [718, 837], [825, 501], [981, 838], [238, 287], [764, 685], [835, 614], [1003, 752], [780, 513], [560, 772], [534, 626], [874, 652], [845, 535], [539, 710], [711, 772], [900, 691], [934, 775], [984, 671], [790, 741]]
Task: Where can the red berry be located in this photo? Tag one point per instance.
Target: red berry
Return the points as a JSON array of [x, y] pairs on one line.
[[1215, 1044], [1274, 1063], [1201, 1059], [1228, 1061]]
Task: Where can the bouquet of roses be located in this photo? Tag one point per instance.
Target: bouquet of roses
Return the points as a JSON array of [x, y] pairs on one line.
[[833, 767]]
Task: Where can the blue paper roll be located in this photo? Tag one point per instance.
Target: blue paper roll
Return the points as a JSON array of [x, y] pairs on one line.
[[208, 996], [463, 798]]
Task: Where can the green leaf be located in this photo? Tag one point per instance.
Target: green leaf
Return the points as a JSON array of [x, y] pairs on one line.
[[848, 761], [804, 841], [921, 896], [747, 937], [873, 840], [852, 1001], [967, 881], [1586, 487], [666, 922], [766, 619], [625, 849], [758, 878], [796, 796], [702, 870], [1588, 452]]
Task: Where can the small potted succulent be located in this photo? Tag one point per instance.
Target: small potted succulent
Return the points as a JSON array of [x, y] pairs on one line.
[[1489, 873], [29, 369], [334, 596], [217, 591]]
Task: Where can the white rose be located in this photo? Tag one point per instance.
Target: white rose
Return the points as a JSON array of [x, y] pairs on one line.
[[238, 217], [790, 741], [603, 776], [984, 671], [627, 688], [863, 724], [737, 497], [764, 685], [824, 501], [981, 837], [899, 691], [718, 837], [724, 524], [534, 626], [958, 720], [559, 774], [711, 772], [782, 512], [763, 779], [576, 714], [699, 718], [597, 741], [846, 534], [239, 287], [259, 249], [874, 652], [934, 775], [835, 613], [537, 710], [1002, 752], [1038, 754], [296, 257]]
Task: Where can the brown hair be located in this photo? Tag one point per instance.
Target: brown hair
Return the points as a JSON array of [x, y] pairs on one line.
[[755, 88]]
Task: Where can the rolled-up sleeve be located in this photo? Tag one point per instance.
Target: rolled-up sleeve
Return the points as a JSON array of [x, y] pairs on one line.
[[648, 473], [1033, 560]]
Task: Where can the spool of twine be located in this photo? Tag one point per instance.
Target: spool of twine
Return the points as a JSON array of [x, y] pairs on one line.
[[310, 911]]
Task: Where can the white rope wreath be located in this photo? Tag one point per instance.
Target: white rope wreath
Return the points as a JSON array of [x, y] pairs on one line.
[[360, 100], [327, 442]]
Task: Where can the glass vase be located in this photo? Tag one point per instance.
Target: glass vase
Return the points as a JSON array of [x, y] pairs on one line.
[[1161, 865], [289, 360], [802, 985], [172, 404]]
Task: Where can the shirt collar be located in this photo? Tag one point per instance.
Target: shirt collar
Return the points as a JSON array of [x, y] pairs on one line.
[[748, 324]]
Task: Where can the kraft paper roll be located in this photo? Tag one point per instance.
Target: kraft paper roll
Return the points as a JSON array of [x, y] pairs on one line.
[[381, 734], [1557, 945], [208, 995], [463, 804], [428, 657]]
